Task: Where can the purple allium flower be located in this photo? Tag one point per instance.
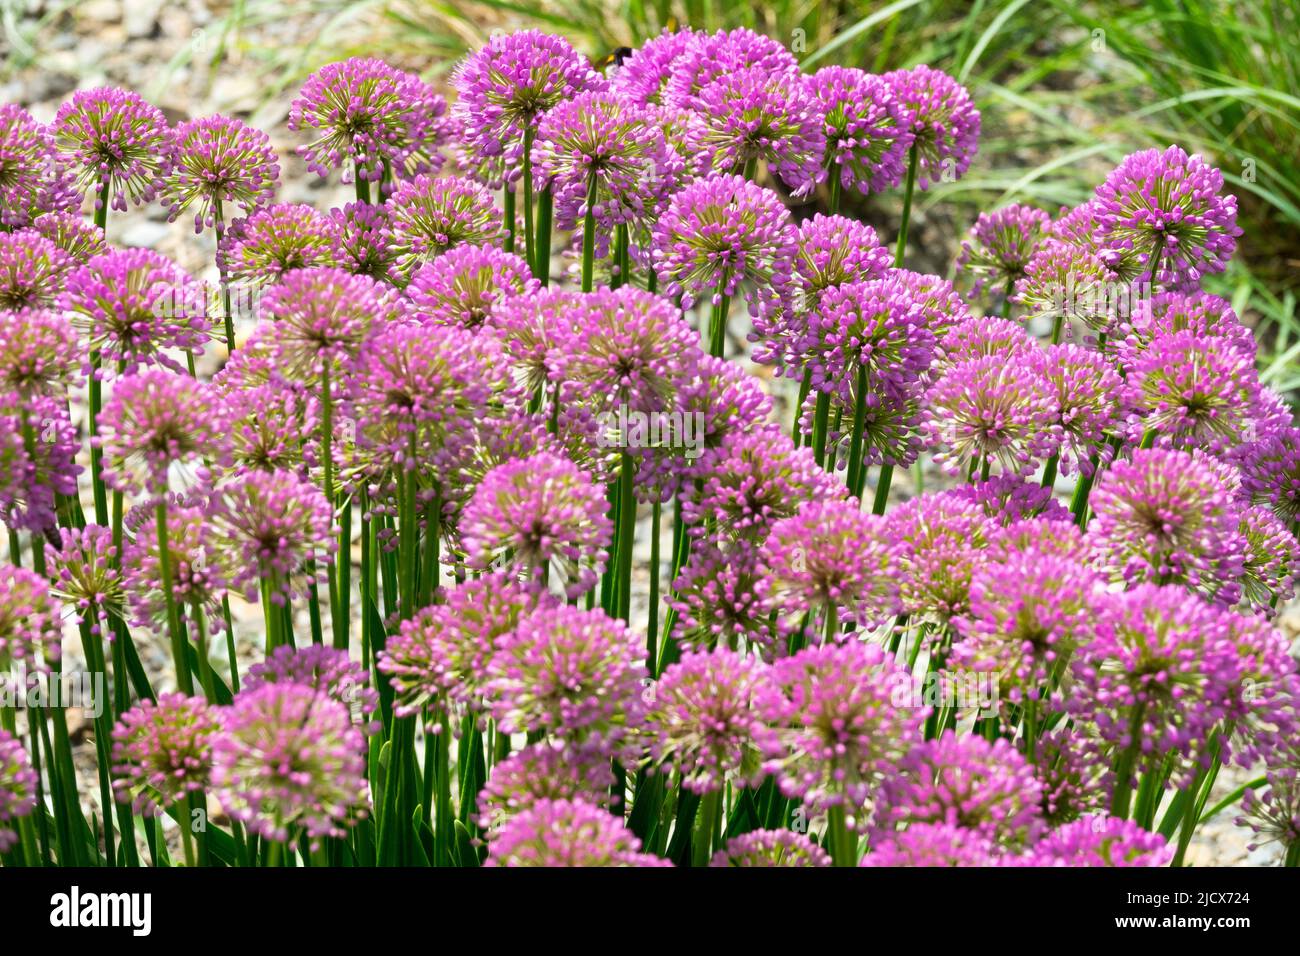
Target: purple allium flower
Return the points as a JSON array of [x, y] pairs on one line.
[[441, 654], [33, 270], [156, 419], [288, 761], [1202, 314], [987, 409], [87, 575], [964, 781], [504, 90], [709, 56], [1272, 813], [370, 118], [770, 848], [133, 304], [836, 730], [1008, 499], [942, 304], [220, 160], [162, 751], [1067, 282], [984, 336], [325, 669], [1167, 206], [362, 231], [703, 718], [460, 287], [1088, 395], [1059, 537], [1075, 772], [1099, 841], [541, 515], [931, 845], [201, 569], [1167, 517], [575, 674], [1271, 564], [275, 240], [276, 522], [999, 246], [270, 426], [756, 114], [556, 833], [29, 619], [720, 232], [1270, 469], [38, 450], [1024, 619], [18, 787], [1193, 391], [867, 136], [32, 179], [601, 138], [944, 123], [641, 77], [39, 353], [115, 140], [81, 240], [531, 327], [428, 216], [719, 599], [939, 538], [541, 771], [830, 557]]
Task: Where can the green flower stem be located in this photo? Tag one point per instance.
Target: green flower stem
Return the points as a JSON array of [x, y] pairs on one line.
[[103, 196], [431, 566], [652, 624], [906, 220], [718, 326], [621, 262], [327, 481], [837, 191], [796, 433], [183, 679], [271, 617], [206, 680], [625, 536], [883, 482], [821, 422], [93, 645], [844, 843], [1079, 502], [1049, 471], [509, 214], [856, 465], [227, 315], [96, 389], [362, 185], [545, 215], [589, 236], [707, 823], [530, 245], [343, 564], [1119, 804]]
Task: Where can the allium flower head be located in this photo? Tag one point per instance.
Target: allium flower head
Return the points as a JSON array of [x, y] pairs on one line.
[[555, 833], [81, 240], [155, 419], [545, 516], [362, 232], [720, 232], [369, 117], [220, 161], [1087, 390], [290, 761], [113, 138], [277, 239], [1272, 813], [134, 304], [200, 569], [162, 751], [720, 600], [1202, 314], [32, 179], [932, 845], [945, 126], [866, 130], [940, 538], [1099, 841], [942, 304], [428, 216], [1166, 206], [39, 353], [703, 719], [770, 848], [835, 251], [38, 452], [1009, 498], [29, 619], [460, 287], [642, 76], [324, 669], [532, 327], [1000, 245], [33, 270], [87, 575], [1270, 468], [1068, 282], [541, 771], [709, 56], [981, 337], [1271, 564], [18, 787]]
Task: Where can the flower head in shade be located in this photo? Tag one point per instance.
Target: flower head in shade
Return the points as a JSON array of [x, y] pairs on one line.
[[703, 720], [162, 751], [966, 782], [219, 161], [756, 114], [1000, 245], [505, 88], [544, 516], [33, 270], [1099, 841], [81, 240], [770, 848], [39, 353], [836, 730], [1194, 391], [830, 557], [1166, 206], [18, 787], [460, 287], [1066, 282], [1167, 517], [369, 117], [87, 575], [555, 833], [1087, 390], [939, 541], [428, 216], [134, 304], [1025, 617], [541, 771], [889, 425], [573, 673], [325, 669], [277, 239], [32, 178], [719, 599], [155, 419], [1008, 499], [277, 523], [642, 76], [29, 619], [941, 304], [200, 569], [1270, 470], [289, 760], [1273, 813], [708, 56], [945, 126], [720, 232], [441, 654], [362, 230], [931, 845], [1271, 566], [600, 138], [38, 460], [114, 138], [1075, 772], [867, 136], [986, 410]]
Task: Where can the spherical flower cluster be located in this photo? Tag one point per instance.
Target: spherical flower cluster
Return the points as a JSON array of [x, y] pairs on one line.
[[87, 575], [220, 160], [428, 216], [1272, 814], [39, 353], [939, 540], [275, 240], [555, 833], [944, 123], [32, 179], [1064, 282], [770, 848], [720, 598], [200, 569], [1270, 471], [328, 670], [460, 288], [1088, 390], [1099, 841], [361, 230], [933, 845], [541, 771], [1000, 245], [29, 619], [867, 137], [641, 76], [119, 145], [38, 449], [33, 270], [18, 787], [81, 240], [706, 57], [162, 751]]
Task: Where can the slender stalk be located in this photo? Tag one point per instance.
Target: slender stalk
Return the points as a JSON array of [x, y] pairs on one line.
[[652, 624], [530, 245], [589, 236], [821, 421], [183, 679], [96, 455], [856, 466], [545, 215], [363, 186], [509, 214], [844, 849], [1119, 804], [837, 191], [805, 386], [206, 680], [718, 326], [906, 220], [327, 481], [626, 536]]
